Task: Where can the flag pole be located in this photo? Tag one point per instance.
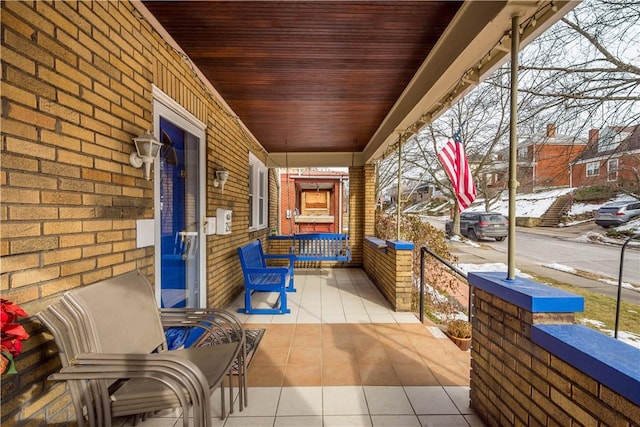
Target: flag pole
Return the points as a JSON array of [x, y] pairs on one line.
[[513, 146]]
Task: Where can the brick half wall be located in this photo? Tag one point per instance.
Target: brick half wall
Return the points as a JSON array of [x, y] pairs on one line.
[[532, 365], [389, 265]]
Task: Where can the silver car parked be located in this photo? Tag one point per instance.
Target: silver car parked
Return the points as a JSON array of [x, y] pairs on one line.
[[617, 213], [481, 225]]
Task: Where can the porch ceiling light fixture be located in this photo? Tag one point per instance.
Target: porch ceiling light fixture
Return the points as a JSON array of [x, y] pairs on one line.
[[147, 149], [222, 175]]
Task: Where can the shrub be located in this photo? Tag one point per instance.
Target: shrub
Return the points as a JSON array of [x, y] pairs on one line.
[[441, 281], [595, 194]]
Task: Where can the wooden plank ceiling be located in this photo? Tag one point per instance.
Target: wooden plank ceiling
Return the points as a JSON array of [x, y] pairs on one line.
[[307, 76]]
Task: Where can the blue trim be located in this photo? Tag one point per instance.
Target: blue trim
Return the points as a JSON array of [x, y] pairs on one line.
[[605, 359], [400, 245], [375, 242], [531, 296]]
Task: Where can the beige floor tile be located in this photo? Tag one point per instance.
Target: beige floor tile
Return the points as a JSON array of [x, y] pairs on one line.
[[302, 375], [305, 356], [258, 376], [376, 374], [271, 355], [340, 374]]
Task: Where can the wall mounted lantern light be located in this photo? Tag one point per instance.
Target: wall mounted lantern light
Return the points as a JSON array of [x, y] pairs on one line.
[[222, 175], [147, 149]]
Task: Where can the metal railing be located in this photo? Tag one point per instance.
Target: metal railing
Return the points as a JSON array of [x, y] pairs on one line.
[[624, 247], [453, 268]]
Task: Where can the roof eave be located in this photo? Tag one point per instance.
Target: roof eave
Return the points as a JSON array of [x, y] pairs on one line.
[[475, 31]]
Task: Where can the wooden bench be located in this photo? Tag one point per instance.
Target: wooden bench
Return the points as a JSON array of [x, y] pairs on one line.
[[259, 277], [321, 247]]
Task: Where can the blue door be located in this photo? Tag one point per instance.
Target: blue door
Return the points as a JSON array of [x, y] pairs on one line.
[[179, 218]]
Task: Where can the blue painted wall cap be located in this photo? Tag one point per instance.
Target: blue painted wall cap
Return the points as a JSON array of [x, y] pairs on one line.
[[607, 360], [527, 294], [400, 245]]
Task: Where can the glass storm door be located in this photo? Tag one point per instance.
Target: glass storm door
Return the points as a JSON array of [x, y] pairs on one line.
[[179, 216]]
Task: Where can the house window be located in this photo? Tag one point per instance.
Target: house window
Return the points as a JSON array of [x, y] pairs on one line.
[[523, 152], [258, 183], [315, 203], [612, 170], [593, 169]]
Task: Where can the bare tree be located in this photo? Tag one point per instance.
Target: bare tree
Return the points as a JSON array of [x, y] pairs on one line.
[[483, 122], [584, 72]]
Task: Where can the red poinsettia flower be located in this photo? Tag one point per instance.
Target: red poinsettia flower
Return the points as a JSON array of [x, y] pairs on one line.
[[12, 334], [10, 312]]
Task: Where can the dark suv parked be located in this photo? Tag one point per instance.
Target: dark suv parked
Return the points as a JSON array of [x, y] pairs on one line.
[[481, 225], [617, 213]]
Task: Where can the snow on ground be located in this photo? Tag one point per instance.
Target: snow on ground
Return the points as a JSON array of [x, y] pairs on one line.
[[627, 337], [456, 238], [578, 208], [567, 269], [560, 267], [632, 226], [498, 267], [623, 284], [532, 205]]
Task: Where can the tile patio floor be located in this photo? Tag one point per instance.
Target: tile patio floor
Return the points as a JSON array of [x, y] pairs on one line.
[[344, 358]]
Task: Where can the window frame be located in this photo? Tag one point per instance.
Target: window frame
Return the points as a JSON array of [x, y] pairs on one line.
[[614, 171], [593, 169], [258, 191]]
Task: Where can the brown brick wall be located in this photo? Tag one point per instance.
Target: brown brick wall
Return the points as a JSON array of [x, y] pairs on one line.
[[627, 165], [76, 88], [391, 272], [291, 197], [515, 382], [551, 165]]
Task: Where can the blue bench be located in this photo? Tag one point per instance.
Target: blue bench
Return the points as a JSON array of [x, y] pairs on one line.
[[321, 247], [258, 277]]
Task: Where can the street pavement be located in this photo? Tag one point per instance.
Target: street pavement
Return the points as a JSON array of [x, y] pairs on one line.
[[483, 254]]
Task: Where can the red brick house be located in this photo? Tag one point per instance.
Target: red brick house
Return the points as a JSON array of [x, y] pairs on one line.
[[313, 201], [543, 159], [612, 158]]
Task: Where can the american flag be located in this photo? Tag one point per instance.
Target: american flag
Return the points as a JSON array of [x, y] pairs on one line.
[[456, 165]]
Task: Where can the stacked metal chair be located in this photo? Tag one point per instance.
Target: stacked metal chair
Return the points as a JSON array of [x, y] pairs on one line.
[[113, 351]]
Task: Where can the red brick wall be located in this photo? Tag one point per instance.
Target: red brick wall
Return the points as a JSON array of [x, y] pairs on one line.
[[291, 198], [626, 174], [552, 166]]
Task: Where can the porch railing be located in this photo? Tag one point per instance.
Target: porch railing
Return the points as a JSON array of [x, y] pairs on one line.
[[619, 298], [425, 250]]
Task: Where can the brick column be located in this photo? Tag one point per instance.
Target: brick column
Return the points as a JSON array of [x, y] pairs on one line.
[[369, 200], [389, 265], [357, 209]]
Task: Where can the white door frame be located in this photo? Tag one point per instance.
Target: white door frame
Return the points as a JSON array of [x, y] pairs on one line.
[[165, 106]]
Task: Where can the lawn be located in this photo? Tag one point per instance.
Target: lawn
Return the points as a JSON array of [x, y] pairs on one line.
[[601, 308]]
